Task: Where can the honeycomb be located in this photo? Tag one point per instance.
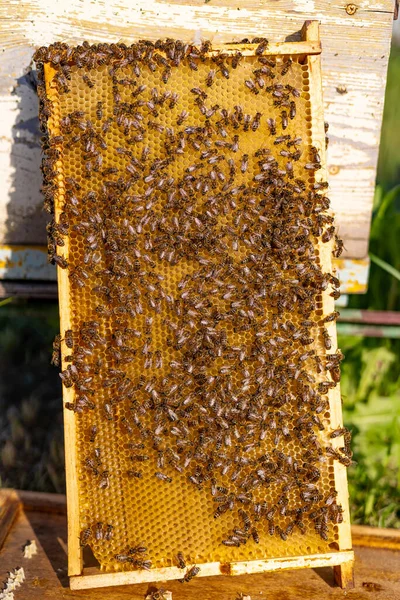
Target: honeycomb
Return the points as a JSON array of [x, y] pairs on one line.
[[188, 218]]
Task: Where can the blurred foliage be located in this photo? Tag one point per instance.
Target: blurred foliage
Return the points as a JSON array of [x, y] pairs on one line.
[[371, 395], [389, 156], [383, 289], [31, 440]]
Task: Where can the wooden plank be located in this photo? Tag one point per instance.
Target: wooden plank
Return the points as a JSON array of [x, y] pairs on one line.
[[46, 573], [277, 49], [328, 303], [372, 317], [42, 502], [376, 537], [70, 445], [344, 575], [28, 289], [91, 578], [353, 274], [355, 54], [25, 262], [9, 508]]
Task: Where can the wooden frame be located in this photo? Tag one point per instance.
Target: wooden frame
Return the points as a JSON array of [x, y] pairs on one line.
[[342, 559], [343, 572]]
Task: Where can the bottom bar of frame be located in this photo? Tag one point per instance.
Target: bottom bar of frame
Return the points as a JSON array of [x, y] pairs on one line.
[[92, 578]]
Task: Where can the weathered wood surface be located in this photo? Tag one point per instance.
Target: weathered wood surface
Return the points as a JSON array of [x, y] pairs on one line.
[[355, 54], [10, 505], [46, 573]]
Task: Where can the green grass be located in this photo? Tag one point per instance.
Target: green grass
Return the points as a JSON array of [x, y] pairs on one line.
[[371, 380], [371, 402]]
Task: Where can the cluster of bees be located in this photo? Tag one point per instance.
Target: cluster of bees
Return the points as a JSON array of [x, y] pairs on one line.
[[242, 374]]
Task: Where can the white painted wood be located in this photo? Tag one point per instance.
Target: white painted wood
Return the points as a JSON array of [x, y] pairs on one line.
[[92, 578], [355, 54]]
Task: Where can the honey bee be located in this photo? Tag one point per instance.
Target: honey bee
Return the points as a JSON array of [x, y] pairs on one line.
[[90, 464], [256, 121], [123, 558], [199, 92], [244, 163], [60, 261], [181, 561], [109, 532], [93, 433], [163, 477], [134, 474], [105, 480], [328, 234], [223, 69], [286, 65], [108, 411], [245, 518], [339, 246], [262, 46], [251, 86], [88, 81], [166, 74], [84, 536], [190, 573], [182, 117], [267, 60], [236, 58], [210, 77], [69, 338], [336, 455], [284, 118], [255, 536], [331, 317], [56, 356], [335, 374], [338, 432], [272, 126], [335, 294], [98, 532], [99, 110], [137, 550]]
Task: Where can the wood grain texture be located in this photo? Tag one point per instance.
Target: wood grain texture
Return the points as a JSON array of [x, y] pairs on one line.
[[328, 304], [355, 55], [92, 578], [46, 573], [344, 575], [9, 508], [70, 443]]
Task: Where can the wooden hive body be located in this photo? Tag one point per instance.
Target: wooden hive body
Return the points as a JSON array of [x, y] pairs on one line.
[[134, 302]]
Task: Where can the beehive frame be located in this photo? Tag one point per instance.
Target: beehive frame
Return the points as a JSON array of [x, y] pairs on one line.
[[309, 50]]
